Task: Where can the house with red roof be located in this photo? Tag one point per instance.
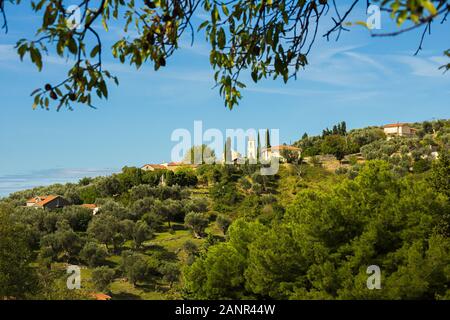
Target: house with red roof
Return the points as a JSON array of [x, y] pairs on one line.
[[277, 152], [153, 167], [100, 296], [398, 130], [47, 202], [95, 208]]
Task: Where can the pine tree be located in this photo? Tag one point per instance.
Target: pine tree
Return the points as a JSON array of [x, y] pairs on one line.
[[440, 173]]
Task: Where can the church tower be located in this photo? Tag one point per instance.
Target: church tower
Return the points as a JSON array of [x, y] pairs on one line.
[[251, 149]]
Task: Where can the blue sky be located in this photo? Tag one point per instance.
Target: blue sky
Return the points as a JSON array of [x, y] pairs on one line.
[[360, 79]]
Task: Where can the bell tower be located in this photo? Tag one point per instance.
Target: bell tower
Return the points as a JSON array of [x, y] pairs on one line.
[[251, 149]]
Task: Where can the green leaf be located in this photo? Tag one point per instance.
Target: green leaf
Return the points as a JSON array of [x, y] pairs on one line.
[[221, 38], [278, 65], [225, 9], [202, 25], [105, 25], [104, 90], [95, 50], [72, 45], [427, 4], [36, 58], [22, 50], [254, 75]]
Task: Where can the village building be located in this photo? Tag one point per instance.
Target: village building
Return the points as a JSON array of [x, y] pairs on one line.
[[251, 149], [172, 166], [398, 130], [47, 202], [277, 152], [153, 167], [100, 296], [250, 154], [236, 157], [95, 209]]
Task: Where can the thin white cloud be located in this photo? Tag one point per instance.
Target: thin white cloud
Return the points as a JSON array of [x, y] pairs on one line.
[[7, 52], [421, 66], [280, 91], [338, 95], [368, 60], [17, 182]]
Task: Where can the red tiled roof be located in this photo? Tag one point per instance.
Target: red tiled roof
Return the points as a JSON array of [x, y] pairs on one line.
[[394, 125], [283, 147], [154, 166], [89, 205], [100, 296], [35, 199], [42, 200]]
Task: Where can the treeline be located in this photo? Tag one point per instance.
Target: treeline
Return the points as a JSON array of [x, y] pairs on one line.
[[372, 142], [89, 190]]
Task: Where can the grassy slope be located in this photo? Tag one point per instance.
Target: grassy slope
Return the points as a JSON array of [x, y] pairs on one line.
[[294, 179], [165, 245]]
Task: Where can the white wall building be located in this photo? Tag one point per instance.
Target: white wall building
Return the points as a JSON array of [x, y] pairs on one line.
[[276, 152], [398, 130], [251, 149]]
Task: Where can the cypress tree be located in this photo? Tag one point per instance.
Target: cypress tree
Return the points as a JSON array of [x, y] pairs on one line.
[[267, 139], [343, 128], [227, 151], [258, 150]]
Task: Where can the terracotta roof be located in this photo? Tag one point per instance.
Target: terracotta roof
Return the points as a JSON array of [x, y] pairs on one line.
[[42, 200], [36, 199], [394, 125], [174, 164], [154, 166], [100, 296], [283, 147], [89, 205], [33, 200]]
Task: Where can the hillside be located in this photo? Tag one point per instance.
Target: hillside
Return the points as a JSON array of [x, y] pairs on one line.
[[226, 231]]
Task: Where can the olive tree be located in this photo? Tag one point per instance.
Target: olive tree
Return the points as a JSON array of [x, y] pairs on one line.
[[197, 222]]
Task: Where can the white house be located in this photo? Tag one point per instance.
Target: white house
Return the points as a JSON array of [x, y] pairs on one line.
[[95, 209], [276, 152], [251, 149], [47, 202], [399, 130], [153, 167], [235, 156]]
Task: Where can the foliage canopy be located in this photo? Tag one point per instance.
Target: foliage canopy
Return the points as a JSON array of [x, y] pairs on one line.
[[266, 38]]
